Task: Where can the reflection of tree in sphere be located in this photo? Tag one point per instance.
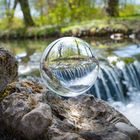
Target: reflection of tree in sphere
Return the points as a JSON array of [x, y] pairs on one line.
[[68, 66]]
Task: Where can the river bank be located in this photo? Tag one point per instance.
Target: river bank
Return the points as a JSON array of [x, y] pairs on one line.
[[96, 28]]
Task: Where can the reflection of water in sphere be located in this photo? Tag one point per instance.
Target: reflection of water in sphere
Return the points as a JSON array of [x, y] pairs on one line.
[[69, 67]]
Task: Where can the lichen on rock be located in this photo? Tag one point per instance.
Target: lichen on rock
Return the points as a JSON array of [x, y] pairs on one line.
[[8, 69]]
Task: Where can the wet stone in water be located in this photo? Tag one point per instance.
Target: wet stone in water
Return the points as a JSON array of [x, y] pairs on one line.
[[69, 67], [8, 69]]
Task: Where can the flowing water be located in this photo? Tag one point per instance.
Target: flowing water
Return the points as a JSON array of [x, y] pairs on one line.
[[119, 76]]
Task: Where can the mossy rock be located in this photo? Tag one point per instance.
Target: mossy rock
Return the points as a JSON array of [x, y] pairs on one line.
[[128, 60], [8, 69]]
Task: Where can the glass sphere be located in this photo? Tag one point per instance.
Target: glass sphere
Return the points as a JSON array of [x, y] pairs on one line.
[[68, 66]]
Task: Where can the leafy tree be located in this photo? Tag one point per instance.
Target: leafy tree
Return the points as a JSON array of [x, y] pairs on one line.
[[128, 10], [58, 13], [66, 11], [80, 9], [41, 7]]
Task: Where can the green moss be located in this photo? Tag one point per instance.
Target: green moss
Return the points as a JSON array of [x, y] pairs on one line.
[[94, 27], [47, 31], [128, 60], [3, 95], [9, 89]]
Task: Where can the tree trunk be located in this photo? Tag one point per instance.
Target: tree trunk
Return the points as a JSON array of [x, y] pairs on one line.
[[26, 12], [112, 8]]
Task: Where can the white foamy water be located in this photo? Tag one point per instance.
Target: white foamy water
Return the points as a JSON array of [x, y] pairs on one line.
[[131, 109]]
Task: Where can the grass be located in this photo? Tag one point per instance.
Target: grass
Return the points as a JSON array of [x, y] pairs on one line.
[[99, 27]]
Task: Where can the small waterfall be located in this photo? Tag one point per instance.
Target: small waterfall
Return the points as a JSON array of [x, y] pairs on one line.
[[131, 76], [106, 87], [114, 83], [74, 72]]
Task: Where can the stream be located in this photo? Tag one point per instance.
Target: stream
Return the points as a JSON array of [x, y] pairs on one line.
[[119, 76]]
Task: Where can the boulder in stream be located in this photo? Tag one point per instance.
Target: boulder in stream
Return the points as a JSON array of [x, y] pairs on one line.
[[8, 68]]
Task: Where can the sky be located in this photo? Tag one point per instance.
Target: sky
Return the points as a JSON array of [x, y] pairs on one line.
[[138, 1]]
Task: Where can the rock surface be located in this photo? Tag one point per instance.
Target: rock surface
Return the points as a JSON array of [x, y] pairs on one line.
[[8, 68], [30, 111]]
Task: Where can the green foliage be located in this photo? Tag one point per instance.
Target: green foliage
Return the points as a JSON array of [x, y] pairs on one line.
[[128, 10], [41, 7], [59, 14], [80, 9], [14, 24], [72, 16], [62, 12], [128, 60], [30, 32], [41, 20], [73, 11]]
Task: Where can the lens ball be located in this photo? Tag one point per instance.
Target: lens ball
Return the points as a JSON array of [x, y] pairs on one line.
[[68, 67]]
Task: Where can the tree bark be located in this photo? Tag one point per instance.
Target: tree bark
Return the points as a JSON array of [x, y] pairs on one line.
[[26, 12], [112, 8]]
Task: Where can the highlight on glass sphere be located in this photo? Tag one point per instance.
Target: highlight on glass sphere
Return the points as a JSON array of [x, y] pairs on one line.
[[68, 67]]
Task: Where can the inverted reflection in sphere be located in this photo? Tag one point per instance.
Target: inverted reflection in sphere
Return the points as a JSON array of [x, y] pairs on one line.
[[68, 66]]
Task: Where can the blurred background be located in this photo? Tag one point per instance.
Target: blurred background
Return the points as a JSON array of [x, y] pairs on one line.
[[22, 13], [111, 27]]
